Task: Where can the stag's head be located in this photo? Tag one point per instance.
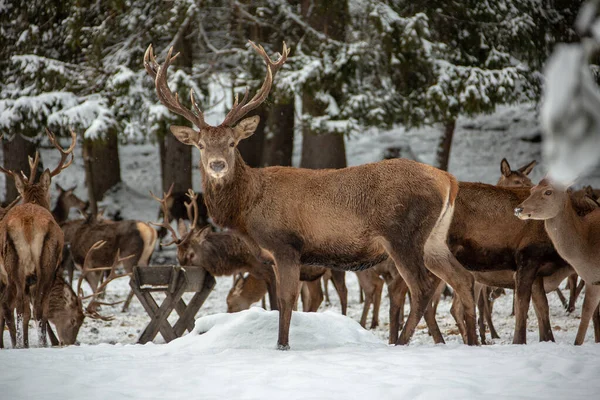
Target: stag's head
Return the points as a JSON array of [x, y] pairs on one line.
[[39, 192], [545, 201], [515, 178], [69, 318], [217, 144]]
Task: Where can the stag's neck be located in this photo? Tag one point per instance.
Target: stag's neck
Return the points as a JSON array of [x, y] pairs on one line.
[[566, 230], [229, 199], [37, 196]]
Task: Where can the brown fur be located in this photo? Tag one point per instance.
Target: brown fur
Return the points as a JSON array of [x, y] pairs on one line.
[[67, 200], [576, 238]]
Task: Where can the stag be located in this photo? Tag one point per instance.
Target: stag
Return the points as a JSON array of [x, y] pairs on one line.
[[31, 244], [323, 217], [576, 238]]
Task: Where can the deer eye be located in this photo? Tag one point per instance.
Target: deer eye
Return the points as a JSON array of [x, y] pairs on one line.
[[200, 146], [548, 192], [232, 144]]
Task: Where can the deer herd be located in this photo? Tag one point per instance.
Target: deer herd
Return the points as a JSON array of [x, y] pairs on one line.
[[284, 231]]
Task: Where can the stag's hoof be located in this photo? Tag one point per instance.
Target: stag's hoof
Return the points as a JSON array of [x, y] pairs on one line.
[[283, 347]]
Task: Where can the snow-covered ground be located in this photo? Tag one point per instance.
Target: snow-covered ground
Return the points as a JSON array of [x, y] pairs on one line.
[[331, 355]]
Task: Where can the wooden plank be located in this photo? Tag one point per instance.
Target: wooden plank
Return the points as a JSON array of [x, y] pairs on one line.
[[159, 320], [187, 319], [151, 308]]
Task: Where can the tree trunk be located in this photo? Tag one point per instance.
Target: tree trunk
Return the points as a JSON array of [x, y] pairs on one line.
[[251, 149], [280, 145], [15, 159], [177, 165], [442, 156], [103, 168], [323, 150]]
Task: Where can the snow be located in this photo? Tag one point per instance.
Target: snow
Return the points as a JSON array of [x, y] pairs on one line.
[[330, 356]]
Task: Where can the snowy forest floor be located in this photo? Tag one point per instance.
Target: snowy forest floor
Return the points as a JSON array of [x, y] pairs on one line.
[[331, 356]]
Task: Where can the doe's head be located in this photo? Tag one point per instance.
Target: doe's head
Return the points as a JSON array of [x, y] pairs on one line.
[[544, 202], [515, 178]]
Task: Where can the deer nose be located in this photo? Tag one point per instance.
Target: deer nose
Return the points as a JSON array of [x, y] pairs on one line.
[[217, 166], [518, 211]]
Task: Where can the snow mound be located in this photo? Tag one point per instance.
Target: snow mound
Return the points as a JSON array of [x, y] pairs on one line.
[[256, 328]]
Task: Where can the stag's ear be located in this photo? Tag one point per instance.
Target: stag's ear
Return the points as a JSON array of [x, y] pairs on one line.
[[246, 127], [526, 169], [19, 184], [505, 167], [185, 135], [45, 180]]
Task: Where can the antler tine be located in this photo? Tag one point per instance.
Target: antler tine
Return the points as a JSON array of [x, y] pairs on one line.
[[243, 108], [86, 264], [192, 205], [165, 95], [33, 164], [64, 154], [165, 224]]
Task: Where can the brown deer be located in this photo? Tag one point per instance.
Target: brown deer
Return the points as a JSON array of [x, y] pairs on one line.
[[250, 289], [576, 238], [219, 253], [324, 217], [31, 244], [67, 200], [515, 178], [130, 238]]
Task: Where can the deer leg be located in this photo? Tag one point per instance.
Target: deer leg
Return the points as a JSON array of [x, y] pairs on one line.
[[480, 293], [457, 312], [376, 303], [596, 320], [578, 292], [288, 274], [542, 310], [272, 288], [42, 326], [9, 318], [488, 309], [562, 298], [325, 280], [443, 264], [394, 292], [421, 286], [512, 313], [433, 327], [315, 294], [590, 304], [366, 306], [572, 279], [403, 293], [127, 301], [525, 277], [339, 283]]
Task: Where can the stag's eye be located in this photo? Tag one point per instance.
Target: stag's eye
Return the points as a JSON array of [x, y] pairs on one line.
[[232, 144], [548, 192], [200, 146]]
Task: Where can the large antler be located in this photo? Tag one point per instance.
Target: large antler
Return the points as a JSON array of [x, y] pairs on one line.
[[159, 74], [192, 208], [91, 309], [240, 109], [64, 154], [165, 224]]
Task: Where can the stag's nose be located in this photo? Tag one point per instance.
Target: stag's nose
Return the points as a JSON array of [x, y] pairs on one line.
[[217, 166], [518, 211]]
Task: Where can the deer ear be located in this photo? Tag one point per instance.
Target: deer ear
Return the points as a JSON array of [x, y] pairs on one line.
[[19, 184], [59, 187], [185, 134], [45, 180], [246, 127], [526, 169], [505, 167]]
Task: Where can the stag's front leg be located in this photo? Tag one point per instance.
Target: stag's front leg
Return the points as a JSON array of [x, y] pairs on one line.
[[288, 289]]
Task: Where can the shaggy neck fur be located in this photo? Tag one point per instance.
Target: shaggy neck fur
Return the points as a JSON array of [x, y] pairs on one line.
[[36, 195], [229, 198]]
